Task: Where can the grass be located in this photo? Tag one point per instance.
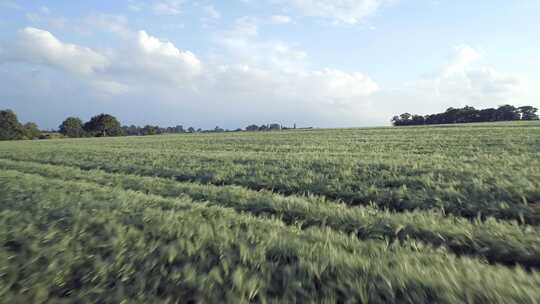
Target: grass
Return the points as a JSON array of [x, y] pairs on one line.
[[442, 214]]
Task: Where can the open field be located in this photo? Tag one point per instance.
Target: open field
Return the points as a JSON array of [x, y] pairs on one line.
[[443, 214]]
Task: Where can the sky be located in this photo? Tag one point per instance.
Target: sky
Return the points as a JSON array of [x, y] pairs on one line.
[[313, 63]]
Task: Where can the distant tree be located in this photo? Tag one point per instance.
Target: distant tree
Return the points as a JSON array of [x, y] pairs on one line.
[[218, 129], [199, 130], [191, 130], [72, 127], [488, 114], [103, 125], [179, 129], [395, 120], [402, 120], [10, 128], [31, 131], [417, 120], [274, 126], [507, 112], [252, 128], [405, 116], [150, 130], [131, 130], [528, 113], [466, 114], [450, 115], [263, 128]]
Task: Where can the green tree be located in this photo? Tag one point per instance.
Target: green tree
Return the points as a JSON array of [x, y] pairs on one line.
[[150, 130], [103, 125], [274, 126], [507, 112], [528, 113], [252, 128], [10, 128], [72, 127], [418, 120], [31, 131]]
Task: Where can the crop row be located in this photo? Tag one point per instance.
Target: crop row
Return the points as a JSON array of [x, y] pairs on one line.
[[499, 242], [72, 241], [500, 187]]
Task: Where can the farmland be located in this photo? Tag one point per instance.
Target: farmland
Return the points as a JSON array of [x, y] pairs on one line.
[[443, 214]]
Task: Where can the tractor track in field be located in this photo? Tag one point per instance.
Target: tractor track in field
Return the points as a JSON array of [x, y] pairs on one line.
[[265, 204]]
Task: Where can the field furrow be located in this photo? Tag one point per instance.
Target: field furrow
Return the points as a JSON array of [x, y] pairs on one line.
[[463, 191], [496, 241], [75, 239]]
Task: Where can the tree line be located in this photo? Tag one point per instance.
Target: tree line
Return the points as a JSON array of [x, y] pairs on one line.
[[102, 125], [107, 125], [11, 128], [467, 115]]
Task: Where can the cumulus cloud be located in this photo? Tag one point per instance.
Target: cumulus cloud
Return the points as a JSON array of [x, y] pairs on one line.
[[151, 59], [257, 80], [318, 87], [41, 47], [144, 67], [462, 58], [462, 79], [242, 45], [459, 82], [143, 57], [154, 47], [247, 94]]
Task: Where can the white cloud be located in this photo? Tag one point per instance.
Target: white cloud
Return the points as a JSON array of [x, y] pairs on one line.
[[462, 58], [280, 19], [109, 87], [146, 68], [459, 82], [248, 94], [325, 87], [141, 57], [242, 45], [464, 82], [162, 59], [41, 47], [168, 7], [341, 11], [254, 81]]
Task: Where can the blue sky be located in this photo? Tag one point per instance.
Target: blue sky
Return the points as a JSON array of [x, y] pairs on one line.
[[232, 63]]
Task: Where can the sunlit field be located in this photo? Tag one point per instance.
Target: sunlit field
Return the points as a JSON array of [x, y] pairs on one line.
[[444, 214]]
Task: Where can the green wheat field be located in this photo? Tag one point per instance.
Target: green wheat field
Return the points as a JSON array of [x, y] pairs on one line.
[[439, 214]]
